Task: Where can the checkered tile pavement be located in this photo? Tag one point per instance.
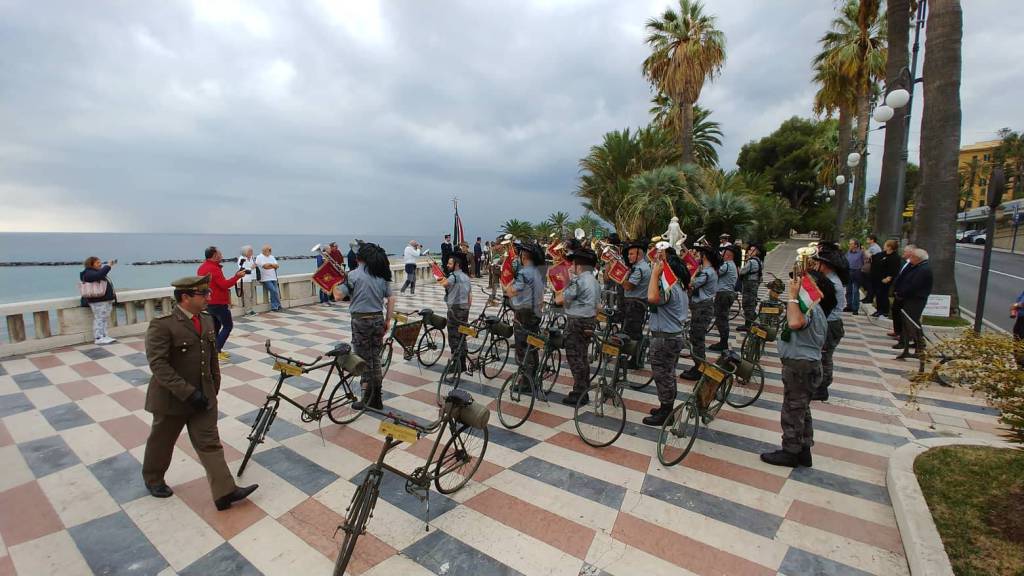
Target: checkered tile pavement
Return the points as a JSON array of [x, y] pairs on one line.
[[72, 501]]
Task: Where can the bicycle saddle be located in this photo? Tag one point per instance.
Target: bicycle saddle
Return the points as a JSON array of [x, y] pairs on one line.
[[340, 349], [492, 320], [460, 398], [622, 337], [426, 312]]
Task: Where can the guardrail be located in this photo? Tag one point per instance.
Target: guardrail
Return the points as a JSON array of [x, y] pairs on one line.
[[40, 325]]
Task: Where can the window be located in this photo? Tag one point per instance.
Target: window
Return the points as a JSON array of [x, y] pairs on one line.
[[987, 157], [974, 158]]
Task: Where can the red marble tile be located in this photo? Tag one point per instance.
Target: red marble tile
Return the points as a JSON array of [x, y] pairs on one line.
[[7, 566], [140, 346], [130, 431], [638, 405], [682, 551], [48, 361], [247, 392], [850, 455], [552, 529], [132, 399], [749, 420], [79, 389], [228, 523], [735, 472], [428, 397], [407, 379], [89, 369], [538, 416], [355, 441], [316, 524], [241, 374], [27, 514], [613, 454], [5, 436], [884, 537]]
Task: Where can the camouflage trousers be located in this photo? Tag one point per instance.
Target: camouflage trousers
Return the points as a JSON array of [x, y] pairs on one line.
[[578, 333], [664, 355], [800, 378], [750, 301], [723, 306], [833, 335], [367, 342], [633, 324], [526, 322], [457, 316], [701, 315]]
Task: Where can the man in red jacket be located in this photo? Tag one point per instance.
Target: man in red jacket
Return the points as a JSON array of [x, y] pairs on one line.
[[219, 302]]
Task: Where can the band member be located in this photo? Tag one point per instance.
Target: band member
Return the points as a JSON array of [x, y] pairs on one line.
[[446, 250], [635, 295], [750, 279], [182, 353], [669, 311], [832, 264], [458, 295], [527, 296], [702, 306], [369, 290], [725, 295], [724, 240], [801, 346], [580, 299]]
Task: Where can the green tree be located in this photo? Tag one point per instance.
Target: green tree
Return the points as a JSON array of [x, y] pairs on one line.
[[772, 218], [1011, 154], [521, 229], [707, 134], [788, 158], [686, 51], [655, 196], [560, 223], [724, 211], [588, 224], [835, 95]]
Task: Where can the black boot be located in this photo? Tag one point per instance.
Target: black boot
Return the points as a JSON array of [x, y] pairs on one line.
[[161, 490], [241, 493], [781, 458], [691, 374], [744, 328], [805, 457], [572, 398], [820, 394], [659, 417], [721, 346], [375, 400]]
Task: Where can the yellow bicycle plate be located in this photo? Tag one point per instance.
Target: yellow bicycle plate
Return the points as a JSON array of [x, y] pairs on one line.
[[712, 372], [287, 369], [758, 332], [534, 341], [601, 317], [610, 350], [398, 432], [770, 310], [468, 331], [401, 318]]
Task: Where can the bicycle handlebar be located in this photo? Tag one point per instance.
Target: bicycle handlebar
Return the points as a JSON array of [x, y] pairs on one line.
[[289, 359]]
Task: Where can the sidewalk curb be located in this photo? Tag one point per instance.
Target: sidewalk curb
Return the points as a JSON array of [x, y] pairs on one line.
[[926, 556], [988, 323], [982, 247]]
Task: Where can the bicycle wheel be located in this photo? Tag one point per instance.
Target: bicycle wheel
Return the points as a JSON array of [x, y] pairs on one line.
[[476, 343], [494, 359], [639, 381], [460, 458], [743, 393], [595, 357], [430, 346], [678, 433], [385, 358], [721, 393], [259, 430], [508, 316], [453, 373], [515, 405], [339, 403], [355, 523], [550, 369], [736, 310], [600, 421]]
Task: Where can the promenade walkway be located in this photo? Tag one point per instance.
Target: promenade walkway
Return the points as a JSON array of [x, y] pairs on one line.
[[72, 430]]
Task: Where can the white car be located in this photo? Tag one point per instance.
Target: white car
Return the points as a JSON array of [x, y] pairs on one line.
[[979, 238]]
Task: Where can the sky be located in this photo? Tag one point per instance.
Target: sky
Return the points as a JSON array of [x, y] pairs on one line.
[[369, 117]]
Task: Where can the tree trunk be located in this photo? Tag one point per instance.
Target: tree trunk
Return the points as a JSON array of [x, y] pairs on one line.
[[935, 214], [686, 131], [898, 17], [860, 186], [843, 190]]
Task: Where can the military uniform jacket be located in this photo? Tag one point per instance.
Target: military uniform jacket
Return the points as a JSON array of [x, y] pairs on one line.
[[181, 361]]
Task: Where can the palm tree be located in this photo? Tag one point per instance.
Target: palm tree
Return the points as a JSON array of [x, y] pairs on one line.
[[559, 222], [686, 51], [653, 199], [935, 212], [967, 176], [588, 224], [836, 95], [707, 134], [724, 211], [521, 229], [899, 15], [1011, 154]]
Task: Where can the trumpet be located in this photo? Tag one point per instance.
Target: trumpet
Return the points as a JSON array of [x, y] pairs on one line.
[[702, 241], [803, 259]]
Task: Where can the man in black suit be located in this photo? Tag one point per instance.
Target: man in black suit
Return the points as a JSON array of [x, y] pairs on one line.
[[911, 290], [446, 251], [897, 305], [478, 255]]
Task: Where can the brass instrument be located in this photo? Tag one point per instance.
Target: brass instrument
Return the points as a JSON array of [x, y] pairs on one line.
[[803, 259], [702, 241]]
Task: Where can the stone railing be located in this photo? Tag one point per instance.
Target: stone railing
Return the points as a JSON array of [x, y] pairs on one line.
[[41, 325]]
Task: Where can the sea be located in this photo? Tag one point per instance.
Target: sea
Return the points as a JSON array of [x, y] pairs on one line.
[[38, 282]]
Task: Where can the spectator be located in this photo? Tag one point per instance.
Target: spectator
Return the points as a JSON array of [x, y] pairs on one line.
[[872, 248], [855, 260], [351, 256], [884, 267], [268, 275], [446, 251], [410, 257], [1017, 311], [96, 272], [912, 290], [247, 287], [478, 256], [218, 304], [897, 305]]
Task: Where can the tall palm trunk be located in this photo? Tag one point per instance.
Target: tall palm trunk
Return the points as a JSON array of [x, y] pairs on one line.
[[843, 190], [935, 213], [686, 131], [860, 185], [898, 16]]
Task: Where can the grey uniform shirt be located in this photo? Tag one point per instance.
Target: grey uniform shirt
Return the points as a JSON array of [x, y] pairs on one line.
[[837, 312], [581, 296], [727, 275], [670, 315], [367, 292], [751, 269], [704, 284], [529, 287], [805, 343], [459, 286], [639, 276]]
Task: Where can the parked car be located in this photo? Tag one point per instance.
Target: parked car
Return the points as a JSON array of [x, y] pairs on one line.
[[969, 235], [979, 238], [960, 235]]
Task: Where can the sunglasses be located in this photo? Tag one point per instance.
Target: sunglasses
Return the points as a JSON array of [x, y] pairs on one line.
[[197, 292]]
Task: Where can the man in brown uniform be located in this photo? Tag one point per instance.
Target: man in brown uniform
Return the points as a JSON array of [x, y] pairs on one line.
[[182, 353]]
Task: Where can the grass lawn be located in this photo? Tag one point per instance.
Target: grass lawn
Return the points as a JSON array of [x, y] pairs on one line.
[[951, 322], [976, 495], [771, 244]]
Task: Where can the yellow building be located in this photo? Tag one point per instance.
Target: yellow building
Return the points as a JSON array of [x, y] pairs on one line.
[[975, 164]]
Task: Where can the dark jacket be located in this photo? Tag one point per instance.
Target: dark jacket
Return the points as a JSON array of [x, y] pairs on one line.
[[446, 252], [352, 263], [181, 360], [915, 283], [884, 265], [94, 275]]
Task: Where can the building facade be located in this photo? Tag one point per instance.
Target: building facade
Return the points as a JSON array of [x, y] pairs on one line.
[[975, 167]]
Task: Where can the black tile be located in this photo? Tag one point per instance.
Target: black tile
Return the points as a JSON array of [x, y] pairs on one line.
[[280, 429], [136, 359], [588, 487], [296, 469], [121, 475], [744, 517], [114, 545], [842, 484], [799, 562], [135, 377], [28, 380], [66, 416], [14, 404], [96, 353], [223, 559], [443, 554], [392, 491], [47, 455]]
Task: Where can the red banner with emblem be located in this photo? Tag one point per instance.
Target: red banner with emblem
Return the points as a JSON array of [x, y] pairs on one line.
[[692, 263], [508, 273], [558, 275], [327, 276], [618, 272]]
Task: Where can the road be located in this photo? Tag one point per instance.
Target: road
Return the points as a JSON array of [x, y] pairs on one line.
[[1005, 282]]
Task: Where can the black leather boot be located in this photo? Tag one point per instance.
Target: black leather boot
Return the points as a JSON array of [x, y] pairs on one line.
[[659, 417]]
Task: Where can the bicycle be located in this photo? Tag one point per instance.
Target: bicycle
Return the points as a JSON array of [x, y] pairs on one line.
[[481, 322], [600, 414], [680, 429], [407, 334], [455, 466], [521, 389], [338, 406], [490, 362], [601, 336], [430, 346]]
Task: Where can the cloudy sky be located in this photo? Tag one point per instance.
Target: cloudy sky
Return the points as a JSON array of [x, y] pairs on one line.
[[367, 117]]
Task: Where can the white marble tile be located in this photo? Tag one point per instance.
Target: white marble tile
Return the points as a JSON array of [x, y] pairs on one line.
[[15, 470], [52, 554], [178, 533], [46, 397], [289, 555], [102, 408], [26, 426], [91, 443], [77, 496]]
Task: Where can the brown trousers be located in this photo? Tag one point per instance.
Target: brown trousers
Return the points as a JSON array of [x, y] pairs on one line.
[[202, 431]]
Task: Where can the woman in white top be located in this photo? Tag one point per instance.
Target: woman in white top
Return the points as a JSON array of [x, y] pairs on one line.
[[411, 257]]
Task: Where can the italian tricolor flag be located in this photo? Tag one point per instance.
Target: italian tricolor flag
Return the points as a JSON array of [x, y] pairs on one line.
[[668, 278], [809, 294]]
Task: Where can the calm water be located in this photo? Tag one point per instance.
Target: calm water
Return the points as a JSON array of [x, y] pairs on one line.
[[40, 282]]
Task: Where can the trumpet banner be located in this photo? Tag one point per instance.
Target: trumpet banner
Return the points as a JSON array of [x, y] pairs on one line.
[[618, 272], [508, 274], [327, 276], [558, 275], [435, 269]]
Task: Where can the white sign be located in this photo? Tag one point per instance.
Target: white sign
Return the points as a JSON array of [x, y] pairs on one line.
[[938, 305]]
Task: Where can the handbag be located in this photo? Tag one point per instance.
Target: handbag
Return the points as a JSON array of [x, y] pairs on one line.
[[96, 289]]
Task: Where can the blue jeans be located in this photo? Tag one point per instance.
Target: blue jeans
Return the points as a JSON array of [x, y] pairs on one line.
[[853, 291], [274, 293], [222, 322]]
